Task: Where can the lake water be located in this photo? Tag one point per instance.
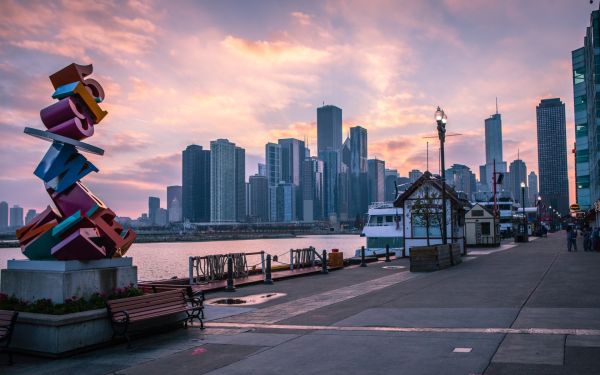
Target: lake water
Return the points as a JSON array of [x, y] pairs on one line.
[[165, 260]]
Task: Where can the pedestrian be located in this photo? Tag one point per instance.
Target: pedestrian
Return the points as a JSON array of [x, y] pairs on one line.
[[571, 238], [595, 236], [587, 240]]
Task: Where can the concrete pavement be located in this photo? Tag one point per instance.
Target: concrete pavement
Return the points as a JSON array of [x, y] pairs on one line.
[[533, 308]]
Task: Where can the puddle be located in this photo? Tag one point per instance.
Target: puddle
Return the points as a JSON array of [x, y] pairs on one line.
[[254, 299], [393, 267]]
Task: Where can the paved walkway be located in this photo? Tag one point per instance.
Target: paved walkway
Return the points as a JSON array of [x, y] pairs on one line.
[[526, 309]]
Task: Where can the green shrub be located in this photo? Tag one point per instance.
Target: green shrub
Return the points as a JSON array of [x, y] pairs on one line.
[[70, 305]]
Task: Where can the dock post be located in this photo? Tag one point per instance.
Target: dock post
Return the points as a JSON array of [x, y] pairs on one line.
[[387, 253], [262, 261], [268, 278], [324, 269], [191, 269], [291, 259], [362, 257], [230, 287]]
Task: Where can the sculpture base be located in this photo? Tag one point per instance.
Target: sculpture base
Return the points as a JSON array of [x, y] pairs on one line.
[[31, 280]]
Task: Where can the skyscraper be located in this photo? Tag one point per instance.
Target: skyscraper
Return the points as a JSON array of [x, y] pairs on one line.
[[293, 153], [29, 216], [586, 90], [376, 187], [259, 198], [225, 174], [518, 174], [153, 206], [359, 190], [195, 201], [414, 175], [262, 169], [532, 185], [331, 161], [461, 178], [174, 199], [312, 189], [240, 184], [493, 150], [16, 216], [273, 163], [329, 128], [391, 180], [3, 215], [552, 154]]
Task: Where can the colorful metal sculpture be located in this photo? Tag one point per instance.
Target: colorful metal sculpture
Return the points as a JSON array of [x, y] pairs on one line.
[[81, 227]]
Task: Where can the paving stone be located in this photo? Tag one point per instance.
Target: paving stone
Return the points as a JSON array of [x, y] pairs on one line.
[[531, 349]]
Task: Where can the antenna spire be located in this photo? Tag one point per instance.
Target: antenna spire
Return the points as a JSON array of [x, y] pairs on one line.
[[496, 105]]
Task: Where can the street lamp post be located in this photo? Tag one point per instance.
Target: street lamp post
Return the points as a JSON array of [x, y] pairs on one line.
[[539, 219], [525, 231], [442, 119]]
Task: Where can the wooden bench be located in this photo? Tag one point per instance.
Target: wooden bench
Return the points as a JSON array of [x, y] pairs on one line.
[[125, 312], [8, 319], [195, 297]]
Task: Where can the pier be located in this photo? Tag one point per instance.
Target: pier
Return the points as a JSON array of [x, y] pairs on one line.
[[530, 308]]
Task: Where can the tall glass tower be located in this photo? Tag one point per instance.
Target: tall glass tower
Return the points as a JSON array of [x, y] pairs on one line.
[[329, 128], [195, 193], [552, 154]]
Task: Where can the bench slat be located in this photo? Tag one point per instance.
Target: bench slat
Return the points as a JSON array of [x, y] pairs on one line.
[[147, 304]]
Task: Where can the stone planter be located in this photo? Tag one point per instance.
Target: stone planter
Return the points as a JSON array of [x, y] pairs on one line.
[[56, 335], [60, 335]]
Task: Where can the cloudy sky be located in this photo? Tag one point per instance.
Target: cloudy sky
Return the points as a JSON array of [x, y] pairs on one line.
[[177, 73]]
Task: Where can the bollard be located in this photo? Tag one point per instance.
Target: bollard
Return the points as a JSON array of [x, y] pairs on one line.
[[230, 287], [362, 257], [387, 253], [268, 278], [324, 269]]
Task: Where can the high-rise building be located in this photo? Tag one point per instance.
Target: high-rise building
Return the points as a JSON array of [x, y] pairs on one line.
[[552, 154], [227, 178], [586, 90], [414, 175], [30, 215], [532, 184], [262, 169], [161, 217], [376, 186], [153, 206], [16, 216], [359, 189], [195, 198], [312, 189], [3, 215], [329, 128], [518, 174], [259, 198], [240, 184], [174, 199], [286, 202], [461, 178], [293, 152], [493, 150], [273, 163], [331, 162], [391, 180]]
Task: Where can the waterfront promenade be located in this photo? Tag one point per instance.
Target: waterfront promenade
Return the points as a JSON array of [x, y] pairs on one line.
[[530, 308]]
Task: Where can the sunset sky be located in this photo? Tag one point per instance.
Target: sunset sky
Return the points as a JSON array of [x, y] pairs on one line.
[[177, 73]]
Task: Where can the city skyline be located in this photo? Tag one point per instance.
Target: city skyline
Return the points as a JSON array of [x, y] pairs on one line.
[[296, 62]]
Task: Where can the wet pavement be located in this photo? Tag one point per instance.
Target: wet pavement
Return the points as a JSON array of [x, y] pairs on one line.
[[530, 308]]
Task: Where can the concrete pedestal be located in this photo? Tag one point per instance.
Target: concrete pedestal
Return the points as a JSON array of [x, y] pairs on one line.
[[31, 280]]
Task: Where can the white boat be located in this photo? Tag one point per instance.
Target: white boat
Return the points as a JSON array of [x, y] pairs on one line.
[[506, 209], [383, 227]]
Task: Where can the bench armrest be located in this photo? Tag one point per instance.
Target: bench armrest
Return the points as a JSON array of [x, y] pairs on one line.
[[115, 316]]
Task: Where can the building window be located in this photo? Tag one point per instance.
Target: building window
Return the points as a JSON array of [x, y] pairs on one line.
[[485, 229]]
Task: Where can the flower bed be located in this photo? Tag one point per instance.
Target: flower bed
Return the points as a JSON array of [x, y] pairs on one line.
[[70, 305]]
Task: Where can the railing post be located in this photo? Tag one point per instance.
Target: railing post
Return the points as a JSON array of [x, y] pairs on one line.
[[324, 269], [387, 253], [262, 262], [362, 257], [191, 269], [291, 259], [268, 278], [230, 287]]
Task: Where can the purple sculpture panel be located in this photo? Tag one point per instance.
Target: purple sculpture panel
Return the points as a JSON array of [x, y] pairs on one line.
[[81, 227]]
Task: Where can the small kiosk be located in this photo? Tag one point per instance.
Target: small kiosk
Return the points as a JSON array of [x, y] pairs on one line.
[[481, 227]]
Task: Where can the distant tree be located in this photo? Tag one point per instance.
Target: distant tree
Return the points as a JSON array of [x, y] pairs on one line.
[[426, 211]]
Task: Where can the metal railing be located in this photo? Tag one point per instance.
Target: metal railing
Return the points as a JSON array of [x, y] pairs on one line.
[[203, 269]]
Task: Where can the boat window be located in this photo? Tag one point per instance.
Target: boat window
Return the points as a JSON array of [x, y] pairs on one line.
[[379, 220], [389, 219]]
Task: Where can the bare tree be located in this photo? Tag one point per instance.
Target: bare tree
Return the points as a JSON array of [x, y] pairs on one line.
[[426, 211]]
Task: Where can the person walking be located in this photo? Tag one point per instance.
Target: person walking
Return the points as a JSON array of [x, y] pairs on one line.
[[571, 238], [587, 239]]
